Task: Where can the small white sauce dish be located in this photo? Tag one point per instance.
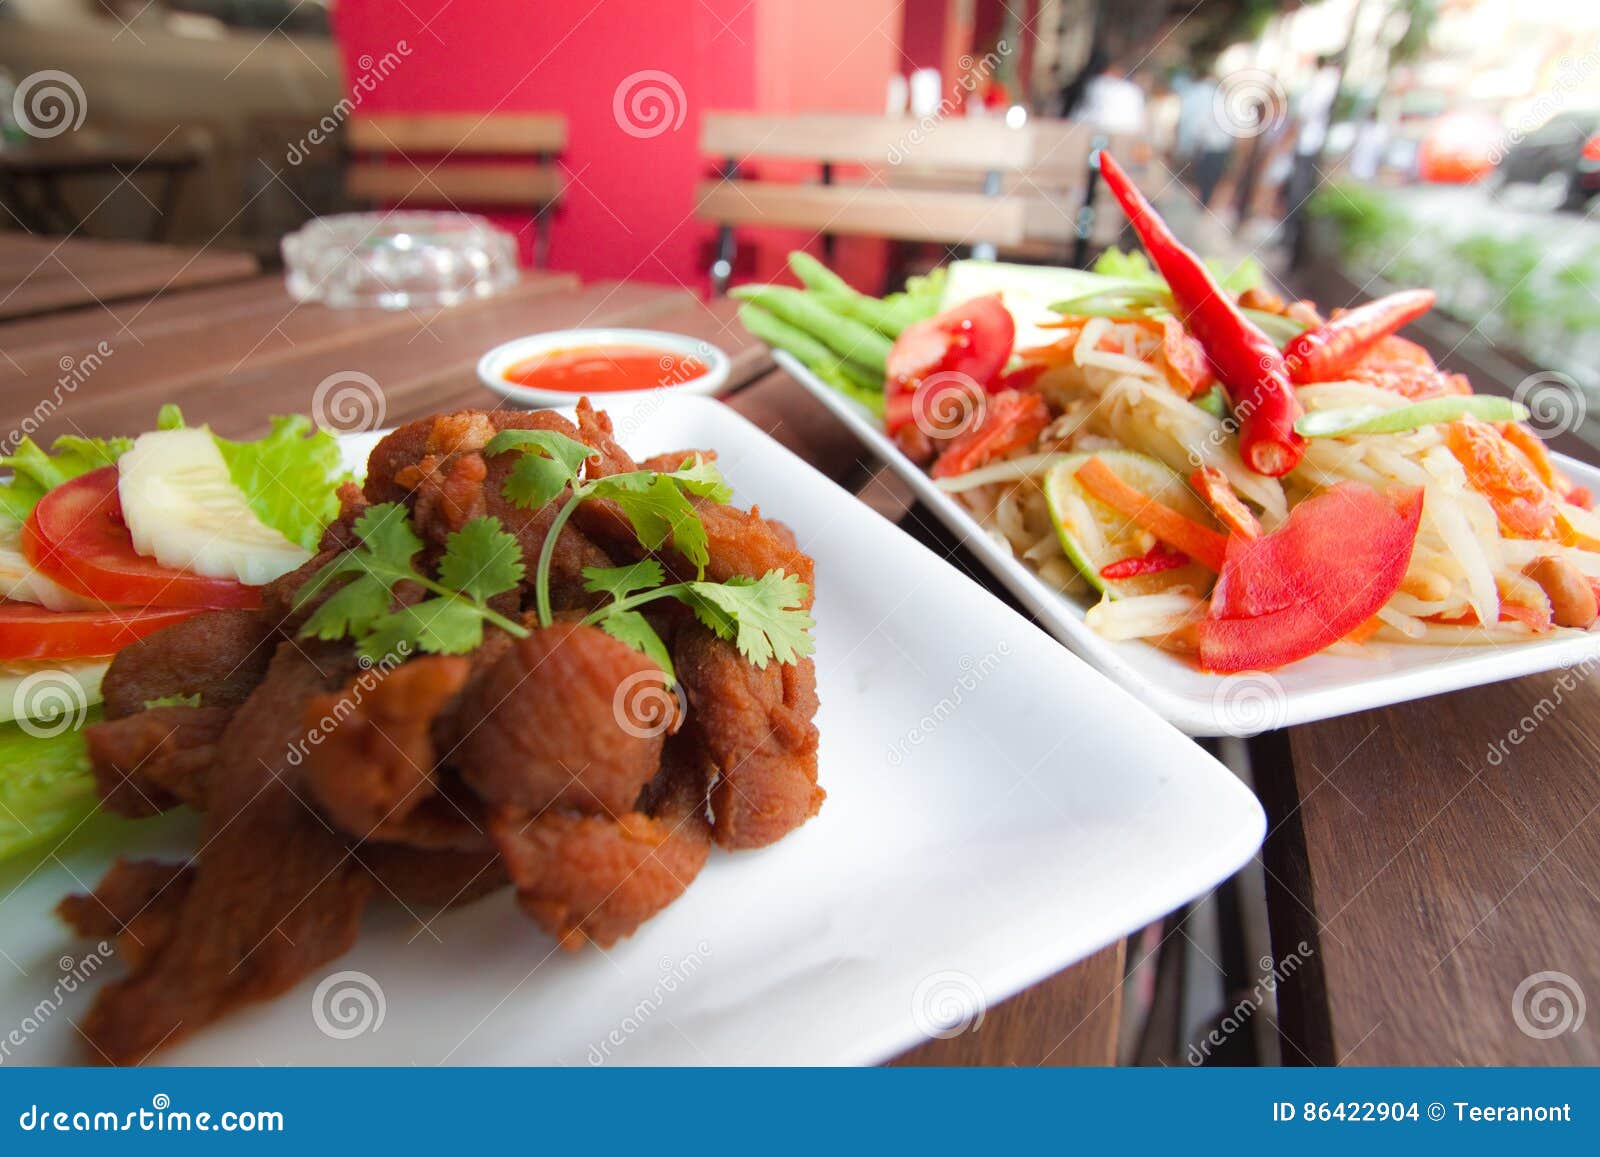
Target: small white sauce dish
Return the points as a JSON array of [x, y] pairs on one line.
[[493, 366]]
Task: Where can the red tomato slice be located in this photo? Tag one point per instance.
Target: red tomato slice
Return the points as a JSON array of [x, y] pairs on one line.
[[76, 537], [973, 339], [1011, 421], [1311, 582], [30, 632]]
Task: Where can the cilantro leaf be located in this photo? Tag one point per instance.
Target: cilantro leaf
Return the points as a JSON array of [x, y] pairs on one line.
[[659, 512], [634, 629], [481, 560], [767, 613], [448, 625], [621, 581], [701, 478], [553, 462]]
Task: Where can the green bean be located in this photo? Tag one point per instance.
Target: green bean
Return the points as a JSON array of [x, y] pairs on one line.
[[845, 336], [843, 376]]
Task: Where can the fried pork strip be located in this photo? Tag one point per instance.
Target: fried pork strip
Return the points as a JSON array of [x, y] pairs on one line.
[[273, 891]]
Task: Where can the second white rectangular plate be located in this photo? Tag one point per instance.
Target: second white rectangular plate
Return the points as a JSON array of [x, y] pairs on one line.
[[1316, 688]]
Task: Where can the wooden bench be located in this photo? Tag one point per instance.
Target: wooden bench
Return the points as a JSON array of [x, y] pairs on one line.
[[956, 181], [496, 160]]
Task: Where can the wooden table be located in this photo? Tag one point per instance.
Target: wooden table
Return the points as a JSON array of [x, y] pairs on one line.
[[45, 274], [1428, 872]]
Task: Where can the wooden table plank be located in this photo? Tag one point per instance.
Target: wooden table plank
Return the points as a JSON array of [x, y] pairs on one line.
[[216, 344], [1451, 850], [74, 273]]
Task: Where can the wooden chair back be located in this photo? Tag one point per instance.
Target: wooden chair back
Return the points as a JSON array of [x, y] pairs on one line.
[[495, 160]]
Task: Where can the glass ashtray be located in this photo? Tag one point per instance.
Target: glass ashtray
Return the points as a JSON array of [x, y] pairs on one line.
[[401, 260]]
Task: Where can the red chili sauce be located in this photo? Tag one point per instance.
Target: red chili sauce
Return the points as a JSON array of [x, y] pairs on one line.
[[601, 369]]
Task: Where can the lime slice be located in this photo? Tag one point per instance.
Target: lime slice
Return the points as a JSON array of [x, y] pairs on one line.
[[1095, 536]]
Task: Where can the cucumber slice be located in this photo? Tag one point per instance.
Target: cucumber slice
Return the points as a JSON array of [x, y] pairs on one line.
[[55, 695], [184, 510], [1094, 536]]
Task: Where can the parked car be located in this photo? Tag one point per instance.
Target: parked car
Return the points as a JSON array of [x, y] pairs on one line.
[[1561, 157]]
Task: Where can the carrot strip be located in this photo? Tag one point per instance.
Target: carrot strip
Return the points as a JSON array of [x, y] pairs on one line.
[[1200, 543]]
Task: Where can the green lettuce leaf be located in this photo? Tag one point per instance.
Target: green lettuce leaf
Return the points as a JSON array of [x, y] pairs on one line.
[[34, 472], [46, 788], [289, 478]]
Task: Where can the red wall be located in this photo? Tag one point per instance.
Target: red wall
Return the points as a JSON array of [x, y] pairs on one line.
[[628, 212], [629, 202]]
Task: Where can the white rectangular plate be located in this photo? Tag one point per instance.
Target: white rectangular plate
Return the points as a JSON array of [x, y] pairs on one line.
[[996, 811], [1316, 688]]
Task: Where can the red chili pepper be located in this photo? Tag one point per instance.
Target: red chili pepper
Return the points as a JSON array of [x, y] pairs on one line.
[[1249, 366], [1334, 347], [1157, 559]]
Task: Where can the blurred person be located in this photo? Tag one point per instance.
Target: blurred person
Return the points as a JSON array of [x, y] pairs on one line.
[[1114, 104], [1366, 155]]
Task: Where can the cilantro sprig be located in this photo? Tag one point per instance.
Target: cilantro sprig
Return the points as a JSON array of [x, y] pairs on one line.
[[480, 561], [656, 503], [765, 618]]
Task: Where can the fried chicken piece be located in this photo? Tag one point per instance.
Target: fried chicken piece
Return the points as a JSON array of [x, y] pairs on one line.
[[369, 761], [755, 726], [593, 878], [136, 904], [220, 656], [569, 717], [146, 763], [437, 465], [419, 878], [274, 893], [595, 431]]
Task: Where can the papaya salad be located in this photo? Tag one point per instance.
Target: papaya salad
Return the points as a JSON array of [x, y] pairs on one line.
[[1226, 474], [106, 540]]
